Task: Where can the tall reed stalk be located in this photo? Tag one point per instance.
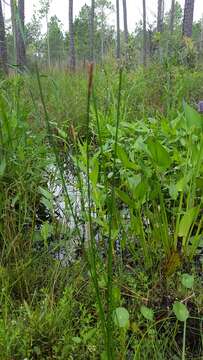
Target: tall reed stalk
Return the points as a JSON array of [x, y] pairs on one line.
[[92, 248], [110, 350]]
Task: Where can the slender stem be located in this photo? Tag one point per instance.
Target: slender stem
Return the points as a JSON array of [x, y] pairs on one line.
[[110, 250], [184, 340], [92, 249]]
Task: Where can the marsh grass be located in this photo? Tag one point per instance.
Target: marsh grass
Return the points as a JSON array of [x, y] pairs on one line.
[[141, 216]]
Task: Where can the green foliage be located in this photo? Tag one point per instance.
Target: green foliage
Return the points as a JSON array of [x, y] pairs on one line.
[[104, 33], [56, 40], [181, 311], [193, 118], [158, 153], [147, 313], [187, 281], [121, 317]]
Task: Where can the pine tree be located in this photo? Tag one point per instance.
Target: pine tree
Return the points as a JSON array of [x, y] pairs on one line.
[[118, 45], [20, 35], [160, 15], [3, 48], [188, 18], [71, 34], [172, 16], [92, 14], [18, 28], [144, 34], [125, 19]]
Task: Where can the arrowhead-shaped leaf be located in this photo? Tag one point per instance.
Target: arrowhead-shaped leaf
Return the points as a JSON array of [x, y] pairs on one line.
[[193, 118], [158, 153], [187, 221]]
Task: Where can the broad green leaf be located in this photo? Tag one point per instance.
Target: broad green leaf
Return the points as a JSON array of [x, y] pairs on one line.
[[186, 221], [187, 281], [125, 198], [124, 158], [45, 193], [193, 118], [2, 167], [158, 153], [180, 310], [95, 172], [141, 190], [121, 317], [147, 313]]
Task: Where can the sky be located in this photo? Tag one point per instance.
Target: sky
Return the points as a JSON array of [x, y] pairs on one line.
[[134, 7]]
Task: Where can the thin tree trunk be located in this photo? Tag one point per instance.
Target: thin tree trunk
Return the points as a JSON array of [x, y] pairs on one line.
[[160, 16], [118, 47], [91, 58], [48, 42], [102, 36], [14, 30], [144, 35], [171, 28], [172, 17], [125, 19], [20, 35], [188, 18], [71, 34], [3, 48]]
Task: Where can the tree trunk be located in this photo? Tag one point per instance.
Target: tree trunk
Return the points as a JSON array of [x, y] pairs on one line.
[[92, 31], [118, 47], [20, 35], [102, 35], [3, 48], [144, 34], [71, 34], [125, 19], [48, 42], [188, 18], [160, 16], [172, 17], [14, 31]]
